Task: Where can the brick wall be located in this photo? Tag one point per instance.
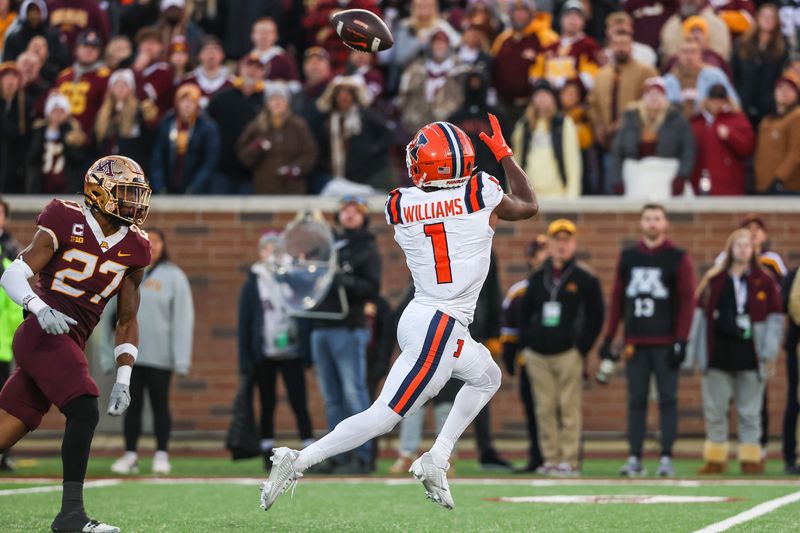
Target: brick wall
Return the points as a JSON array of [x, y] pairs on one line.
[[215, 248]]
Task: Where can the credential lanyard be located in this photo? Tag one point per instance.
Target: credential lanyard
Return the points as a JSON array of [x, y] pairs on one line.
[[740, 291]]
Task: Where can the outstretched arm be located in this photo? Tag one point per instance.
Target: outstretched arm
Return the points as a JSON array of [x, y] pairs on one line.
[[126, 341], [522, 203]]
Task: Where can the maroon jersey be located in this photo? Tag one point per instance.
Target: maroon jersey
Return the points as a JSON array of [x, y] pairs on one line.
[[88, 267], [85, 92], [156, 82]]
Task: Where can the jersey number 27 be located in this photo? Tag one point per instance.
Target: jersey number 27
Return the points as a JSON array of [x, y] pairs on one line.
[[89, 264], [441, 254]]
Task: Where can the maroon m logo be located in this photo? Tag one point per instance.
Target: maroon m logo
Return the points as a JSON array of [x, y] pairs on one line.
[[104, 166]]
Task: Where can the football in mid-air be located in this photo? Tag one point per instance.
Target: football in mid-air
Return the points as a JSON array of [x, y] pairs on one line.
[[362, 30]]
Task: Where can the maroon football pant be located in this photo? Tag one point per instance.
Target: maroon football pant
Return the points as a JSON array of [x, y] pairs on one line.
[[51, 369]]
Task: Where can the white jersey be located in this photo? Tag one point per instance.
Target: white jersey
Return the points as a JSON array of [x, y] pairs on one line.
[[447, 240]]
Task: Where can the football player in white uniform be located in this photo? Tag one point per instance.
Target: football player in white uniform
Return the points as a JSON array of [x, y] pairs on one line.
[[445, 226]]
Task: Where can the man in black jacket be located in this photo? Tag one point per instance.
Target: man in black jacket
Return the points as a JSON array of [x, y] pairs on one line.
[[560, 319], [338, 347]]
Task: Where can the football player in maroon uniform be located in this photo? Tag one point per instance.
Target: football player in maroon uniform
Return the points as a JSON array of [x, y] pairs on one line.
[[84, 255]]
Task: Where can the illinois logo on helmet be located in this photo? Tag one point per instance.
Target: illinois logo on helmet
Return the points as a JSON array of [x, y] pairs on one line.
[[440, 155], [116, 186]]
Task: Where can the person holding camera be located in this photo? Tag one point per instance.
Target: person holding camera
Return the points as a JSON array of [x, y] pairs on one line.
[[560, 318], [270, 343], [339, 346], [653, 296], [735, 339]]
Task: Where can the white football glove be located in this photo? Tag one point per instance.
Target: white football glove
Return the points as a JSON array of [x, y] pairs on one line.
[[120, 399], [54, 322]]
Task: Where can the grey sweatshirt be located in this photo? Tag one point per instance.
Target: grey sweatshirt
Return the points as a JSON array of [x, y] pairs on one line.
[[166, 321]]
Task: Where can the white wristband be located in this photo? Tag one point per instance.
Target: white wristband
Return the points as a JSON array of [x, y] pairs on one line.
[[124, 375], [126, 348]]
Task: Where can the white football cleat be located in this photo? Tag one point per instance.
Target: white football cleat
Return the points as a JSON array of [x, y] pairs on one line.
[[161, 464], [92, 526], [434, 479], [127, 464], [282, 477], [98, 527]]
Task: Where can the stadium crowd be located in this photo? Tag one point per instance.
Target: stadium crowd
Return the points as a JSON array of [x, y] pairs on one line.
[[239, 97]]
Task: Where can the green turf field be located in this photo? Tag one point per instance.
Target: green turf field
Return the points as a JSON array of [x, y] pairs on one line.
[[227, 501]]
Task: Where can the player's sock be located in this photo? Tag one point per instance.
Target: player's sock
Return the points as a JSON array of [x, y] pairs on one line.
[[82, 416], [468, 403], [267, 444], [349, 434]]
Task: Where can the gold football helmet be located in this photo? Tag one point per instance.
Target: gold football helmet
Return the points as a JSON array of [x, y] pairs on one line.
[[116, 185]]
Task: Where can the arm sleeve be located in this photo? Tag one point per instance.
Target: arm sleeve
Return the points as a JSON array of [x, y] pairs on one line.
[[595, 311], [686, 303], [183, 322], [615, 304]]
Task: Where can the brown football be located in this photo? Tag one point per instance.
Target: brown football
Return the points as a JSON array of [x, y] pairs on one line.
[[362, 30]]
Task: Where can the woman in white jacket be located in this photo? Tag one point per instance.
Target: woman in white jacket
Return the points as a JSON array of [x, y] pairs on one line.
[[166, 325]]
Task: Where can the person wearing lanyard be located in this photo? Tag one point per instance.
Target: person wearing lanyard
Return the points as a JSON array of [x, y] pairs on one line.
[[735, 339], [560, 318]]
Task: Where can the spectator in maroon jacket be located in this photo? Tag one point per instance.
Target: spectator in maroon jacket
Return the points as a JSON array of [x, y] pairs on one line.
[[518, 55], [648, 17], [72, 17], [280, 66], [211, 75], [153, 73], [319, 31], [724, 141]]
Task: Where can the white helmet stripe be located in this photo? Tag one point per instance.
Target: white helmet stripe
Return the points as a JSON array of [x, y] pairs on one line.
[[454, 142]]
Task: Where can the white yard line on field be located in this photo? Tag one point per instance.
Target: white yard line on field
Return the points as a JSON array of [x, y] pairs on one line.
[[752, 513], [57, 488]]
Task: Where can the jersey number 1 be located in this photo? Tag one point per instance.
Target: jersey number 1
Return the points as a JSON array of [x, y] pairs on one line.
[[441, 254]]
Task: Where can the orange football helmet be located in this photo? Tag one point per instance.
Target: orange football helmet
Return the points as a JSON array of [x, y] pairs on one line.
[[440, 155]]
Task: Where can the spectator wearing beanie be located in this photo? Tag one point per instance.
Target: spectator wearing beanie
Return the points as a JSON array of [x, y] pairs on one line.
[[154, 74], [15, 129], [689, 81], [616, 85], [577, 54], [32, 22], [57, 153], [546, 144], [277, 146], [757, 63], [518, 56], [620, 21], [777, 161], [211, 76], [71, 18], [653, 127], [648, 17], [724, 140], [233, 109], [124, 124], [432, 87], [672, 31], [187, 147], [696, 29], [85, 82], [737, 15], [278, 64]]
